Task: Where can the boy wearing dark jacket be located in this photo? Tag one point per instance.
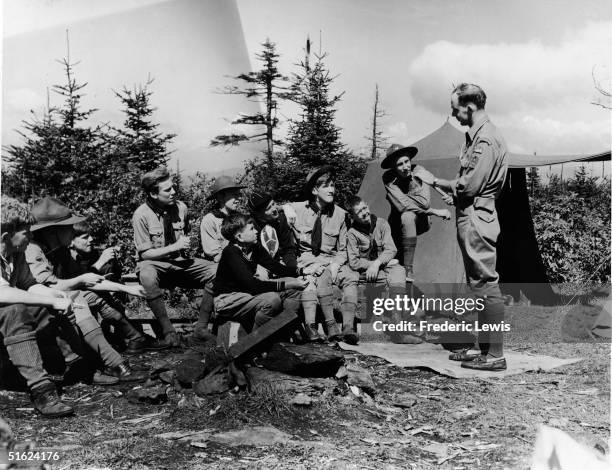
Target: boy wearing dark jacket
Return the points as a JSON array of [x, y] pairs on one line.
[[239, 295]]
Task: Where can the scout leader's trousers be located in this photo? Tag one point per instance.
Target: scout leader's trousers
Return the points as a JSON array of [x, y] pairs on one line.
[[477, 233], [194, 273], [19, 326]]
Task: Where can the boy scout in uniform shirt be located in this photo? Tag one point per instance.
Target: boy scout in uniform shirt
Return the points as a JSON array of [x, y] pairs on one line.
[[320, 230], [160, 227], [25, 308], [480, 181], [226, 192], [45, 254], [410, 203], [371, 252]]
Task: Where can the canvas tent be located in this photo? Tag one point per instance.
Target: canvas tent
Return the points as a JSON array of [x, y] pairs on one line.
[[438, 258]]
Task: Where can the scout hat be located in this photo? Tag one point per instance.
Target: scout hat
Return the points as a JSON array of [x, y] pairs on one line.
[[258, 201], [223, 183], [312, 177], [50, 211], [396, 151]]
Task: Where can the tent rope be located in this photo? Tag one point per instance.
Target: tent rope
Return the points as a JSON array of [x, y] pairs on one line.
[[605, 259]]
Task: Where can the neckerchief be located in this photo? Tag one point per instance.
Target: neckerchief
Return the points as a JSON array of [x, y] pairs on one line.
[[368, 230], [169, 235], [317, 230], [218, 214]]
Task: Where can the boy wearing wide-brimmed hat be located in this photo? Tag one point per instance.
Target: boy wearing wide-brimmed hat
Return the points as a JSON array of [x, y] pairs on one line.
[[320, 230], [47, 252], [28, 308], [226, 192], [410, 203], [161, 235]]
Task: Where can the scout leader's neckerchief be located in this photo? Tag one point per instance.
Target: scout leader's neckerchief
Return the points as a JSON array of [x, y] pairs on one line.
[[368, 231], [169, 235], [317, 230]]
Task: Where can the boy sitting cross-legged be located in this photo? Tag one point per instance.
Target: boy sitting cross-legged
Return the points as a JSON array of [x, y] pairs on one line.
[[371, 253], [239, 295]]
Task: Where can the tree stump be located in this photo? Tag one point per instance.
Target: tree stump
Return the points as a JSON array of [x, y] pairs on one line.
[[305, 360]]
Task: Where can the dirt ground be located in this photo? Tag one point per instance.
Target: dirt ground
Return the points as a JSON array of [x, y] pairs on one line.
[[417, 419]]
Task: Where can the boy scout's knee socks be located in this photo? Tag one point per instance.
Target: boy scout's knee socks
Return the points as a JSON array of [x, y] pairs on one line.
[[309, 304], [158, 307], [94, 338], [327, 306], [409, 247], [25, 356], [206, 308], [492, 342]]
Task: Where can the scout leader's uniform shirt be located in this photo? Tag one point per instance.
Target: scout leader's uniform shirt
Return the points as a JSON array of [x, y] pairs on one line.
[[360, 244], [155, 227], [333, 233], [480, 181], [210, 234]]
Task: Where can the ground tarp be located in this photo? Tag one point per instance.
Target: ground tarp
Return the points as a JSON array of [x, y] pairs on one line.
[[434, 357]]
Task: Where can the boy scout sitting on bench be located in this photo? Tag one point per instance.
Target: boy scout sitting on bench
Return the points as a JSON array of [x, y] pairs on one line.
[[371, 253], [239, 295], [161, 228]]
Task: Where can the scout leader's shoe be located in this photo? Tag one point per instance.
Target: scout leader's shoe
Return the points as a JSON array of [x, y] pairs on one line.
[[145, 343], [486, 363], [125, 374], [47, 403], [312, 334], [349, 335], [464, 355]]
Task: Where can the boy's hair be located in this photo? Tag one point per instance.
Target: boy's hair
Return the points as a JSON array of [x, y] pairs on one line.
[[352, 202], [150, 180], [81, 228], [324, 178], [233, 224], [15, 215]]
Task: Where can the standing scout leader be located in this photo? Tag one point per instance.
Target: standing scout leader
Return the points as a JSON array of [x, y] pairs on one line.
[[320, 229], [480, 181], [161, 226]]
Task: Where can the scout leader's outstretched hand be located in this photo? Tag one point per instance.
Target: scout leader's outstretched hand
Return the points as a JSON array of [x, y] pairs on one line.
[[428, 178]]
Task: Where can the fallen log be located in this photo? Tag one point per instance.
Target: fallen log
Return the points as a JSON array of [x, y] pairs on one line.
[[306, 360], [263, 380]]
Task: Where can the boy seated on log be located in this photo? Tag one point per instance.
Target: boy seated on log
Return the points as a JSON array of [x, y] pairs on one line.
[[46, 254], [239, 295], [28, 308], [371, 253], [226, 192], [105, 304], [320, 231]]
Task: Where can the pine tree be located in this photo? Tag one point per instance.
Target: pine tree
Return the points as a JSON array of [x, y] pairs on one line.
[[61, 154], [264, 86]]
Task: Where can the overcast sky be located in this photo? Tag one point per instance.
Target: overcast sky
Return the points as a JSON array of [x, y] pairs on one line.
[[533, 58]]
